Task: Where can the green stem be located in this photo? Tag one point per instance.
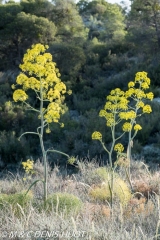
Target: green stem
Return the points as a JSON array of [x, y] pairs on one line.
[[129, 152], [28, 133], [120, 136], [41, 141], [31, 108], [56, 151]]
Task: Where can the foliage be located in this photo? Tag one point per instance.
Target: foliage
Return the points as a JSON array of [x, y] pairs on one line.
[[144, 22], [63, 202], [11, 150], [16, 201], [20, 31], [102, 193]]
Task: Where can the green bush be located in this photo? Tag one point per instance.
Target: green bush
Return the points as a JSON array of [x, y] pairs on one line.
[[16, 201], [101, 193], [63, 202]]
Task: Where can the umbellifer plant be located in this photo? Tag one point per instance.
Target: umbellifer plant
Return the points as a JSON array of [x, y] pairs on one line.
[[125, 106], [39, 74]]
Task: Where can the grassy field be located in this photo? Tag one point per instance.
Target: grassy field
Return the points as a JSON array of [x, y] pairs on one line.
[[78, 205]]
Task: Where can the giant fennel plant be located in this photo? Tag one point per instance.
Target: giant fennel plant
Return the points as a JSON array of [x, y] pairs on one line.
[[125, 107], [40, 74]]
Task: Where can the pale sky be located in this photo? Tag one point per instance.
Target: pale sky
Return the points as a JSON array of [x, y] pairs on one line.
[[127, 2]]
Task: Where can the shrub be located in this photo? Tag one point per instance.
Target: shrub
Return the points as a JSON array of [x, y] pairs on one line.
[[14, 200], [63, 202], [102, 192]]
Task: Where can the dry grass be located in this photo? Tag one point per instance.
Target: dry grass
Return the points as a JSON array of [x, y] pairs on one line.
[[137, 219]]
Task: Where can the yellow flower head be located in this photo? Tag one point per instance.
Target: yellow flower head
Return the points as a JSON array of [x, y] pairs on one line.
[[48, 130], [140, 94], [127, 127], [140, 104], [127, 115], [147, 109], [96, 136], [19, 95], [140, 76], [119, 147], [110, 122], [150, 96], [137, 127], [131, 84], [13, 86], [130, 92], [144, 85], [28, 166]]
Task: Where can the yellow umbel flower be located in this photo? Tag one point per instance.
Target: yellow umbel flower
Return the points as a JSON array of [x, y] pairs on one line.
[[140, 104], [19, 95], [131, 84], [137, 127], [119, 147], [139, 93], [96, 136], [110, 122], [150, 96], [48, 130], [147, 109], [127, 127], [28, 166], [144, 85], [130, 92], [140, 76], [127, 115]]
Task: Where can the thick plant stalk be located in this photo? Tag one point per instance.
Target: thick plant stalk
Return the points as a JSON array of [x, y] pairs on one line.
[[41, 141]]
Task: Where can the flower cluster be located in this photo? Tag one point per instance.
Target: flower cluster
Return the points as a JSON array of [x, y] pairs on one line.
[[96, 136], [28, 166], [137, 127], [40, 74], [137, 94], [127, 115], [20, 95], [127, 126], [147, 109], [115, 104], [142, 77], [119, 147]]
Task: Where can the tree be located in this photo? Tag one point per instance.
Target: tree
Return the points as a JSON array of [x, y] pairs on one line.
[[68, 21], [144, 25], [40, 8], [105, 20], [19, 31]]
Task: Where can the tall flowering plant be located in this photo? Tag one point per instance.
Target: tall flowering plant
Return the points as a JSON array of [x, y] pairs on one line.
[[116, 102], [127, 107], [40, 74]]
